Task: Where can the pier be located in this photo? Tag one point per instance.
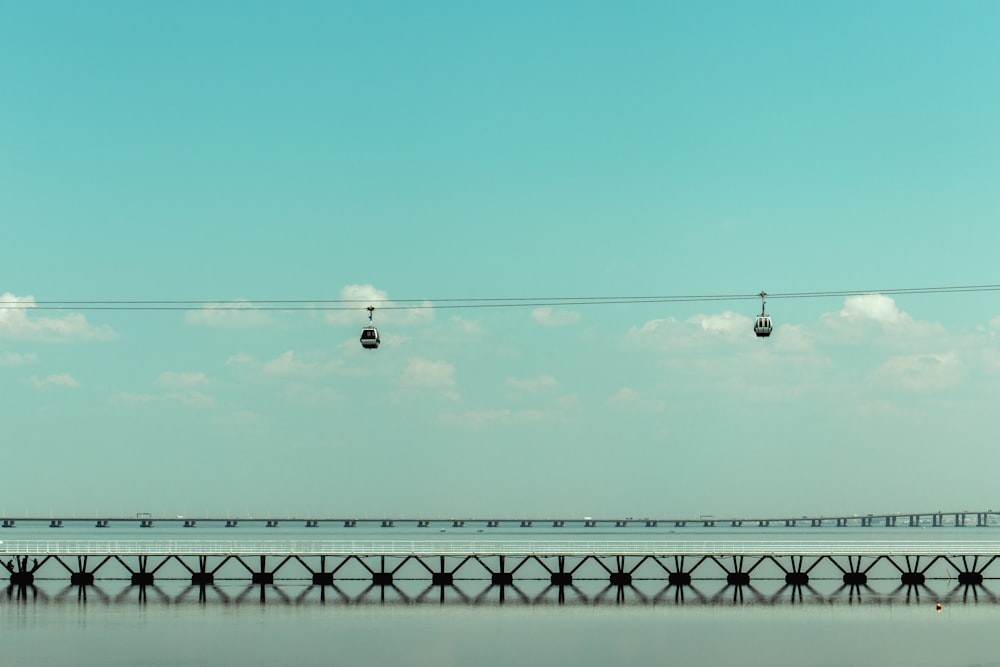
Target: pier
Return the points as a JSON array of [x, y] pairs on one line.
[[557, 563]]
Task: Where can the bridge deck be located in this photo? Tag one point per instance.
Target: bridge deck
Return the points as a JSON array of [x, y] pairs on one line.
[[494, 548]]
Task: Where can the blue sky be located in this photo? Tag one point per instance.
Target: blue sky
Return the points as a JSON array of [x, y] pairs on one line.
[[248, 151]]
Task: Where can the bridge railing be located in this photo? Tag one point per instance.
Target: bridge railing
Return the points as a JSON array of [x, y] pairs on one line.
[[486, 548]]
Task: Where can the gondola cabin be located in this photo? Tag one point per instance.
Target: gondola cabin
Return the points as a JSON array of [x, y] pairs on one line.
[[762, 327], [369, 338], [369, 335]]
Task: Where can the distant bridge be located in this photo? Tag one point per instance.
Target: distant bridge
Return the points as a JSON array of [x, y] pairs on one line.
[[980, 518]]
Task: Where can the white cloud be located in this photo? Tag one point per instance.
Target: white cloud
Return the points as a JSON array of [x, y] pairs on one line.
[[191, 399], [922, 373], [475, 419], [240, 359], [131, 398], [470, 327], [312, 396], [386, 311], [726, 323], [872, 307], [539, 383], [17, 359], [554, 318], [671, 335], [871, 318], [427, 374], [292, 364], [58, 380], [16, 322], [632, 400], [231, 315], [173, 379], [478, 419]]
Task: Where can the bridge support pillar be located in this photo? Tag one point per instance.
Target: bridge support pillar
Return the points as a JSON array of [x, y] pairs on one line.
[[441, 577], [144, 577], [20, 575], [854, 576], [202, 577], [620, 577], [970, 578], [561, 577], [262, 576], [382, 578], [525, 524], [796, 578], [679, 578], [937, 520], [501, 578]]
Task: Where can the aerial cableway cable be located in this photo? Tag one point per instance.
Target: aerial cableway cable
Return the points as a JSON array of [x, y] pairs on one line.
[[456, 303]]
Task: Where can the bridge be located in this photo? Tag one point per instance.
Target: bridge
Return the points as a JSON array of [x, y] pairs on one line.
[[386, 564], [936, 519]]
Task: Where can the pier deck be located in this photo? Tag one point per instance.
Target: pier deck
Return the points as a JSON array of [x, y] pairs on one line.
[[430, 548], [440, 563]]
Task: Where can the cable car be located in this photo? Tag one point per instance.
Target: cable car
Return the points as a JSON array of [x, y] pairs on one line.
[[762, 325], [369, 335]]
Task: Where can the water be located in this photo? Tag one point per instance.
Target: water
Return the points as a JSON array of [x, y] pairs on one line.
[[56, 626]]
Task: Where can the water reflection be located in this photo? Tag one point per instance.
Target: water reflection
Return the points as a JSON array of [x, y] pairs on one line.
[[530, 593]]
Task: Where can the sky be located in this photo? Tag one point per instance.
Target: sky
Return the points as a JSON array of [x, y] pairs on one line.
[[400, 153]]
